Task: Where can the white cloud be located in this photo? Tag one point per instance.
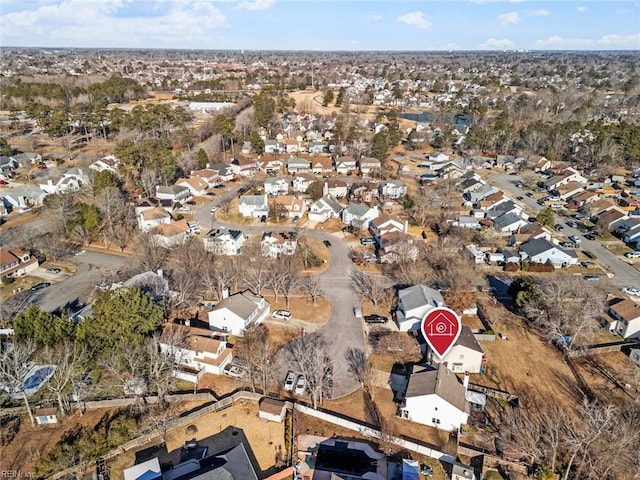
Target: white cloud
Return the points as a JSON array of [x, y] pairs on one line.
[[256, 5], [581, 8], [556, 42], [416, 19], [540, 13], [631, 41], [497, 44], [104, 23], [507, 19]]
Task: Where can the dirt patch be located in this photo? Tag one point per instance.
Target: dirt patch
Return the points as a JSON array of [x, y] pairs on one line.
[[525, 364], [611, 376]]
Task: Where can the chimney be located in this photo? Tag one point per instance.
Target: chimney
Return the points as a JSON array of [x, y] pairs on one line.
[[325, 189], [406, 226], [160, 273], [466, 381], [225, 293]]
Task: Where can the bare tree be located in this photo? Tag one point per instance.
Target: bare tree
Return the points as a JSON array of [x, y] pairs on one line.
[[222, 274], [255, 349], [257, 273], [311, 286], [372, 287], [285, 276], [127, 367], [149, 179], [162, 358], [311, 356], [68, 358], [567, 307], [15, 360]]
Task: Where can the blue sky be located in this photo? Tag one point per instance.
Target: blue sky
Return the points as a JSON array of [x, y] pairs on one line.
[[323, 24]]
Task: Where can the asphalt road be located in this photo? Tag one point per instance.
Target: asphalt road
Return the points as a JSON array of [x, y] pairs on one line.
[[343, 330], [624, 274], [72, 292]]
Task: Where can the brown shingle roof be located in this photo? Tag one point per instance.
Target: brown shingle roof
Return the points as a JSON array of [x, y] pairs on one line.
[[627, 309]]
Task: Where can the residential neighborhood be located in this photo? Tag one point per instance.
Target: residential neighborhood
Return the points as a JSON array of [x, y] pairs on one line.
[[226, 269]]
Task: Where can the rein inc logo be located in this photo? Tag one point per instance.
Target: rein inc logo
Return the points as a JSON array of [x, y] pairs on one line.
[[441, 328], [16, 474]]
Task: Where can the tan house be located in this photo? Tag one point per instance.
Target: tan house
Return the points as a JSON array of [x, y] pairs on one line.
[[15, 262], [295, 207], [170, 234]]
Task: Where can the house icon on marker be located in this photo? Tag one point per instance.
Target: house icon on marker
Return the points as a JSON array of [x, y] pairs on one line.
[[440, 326]]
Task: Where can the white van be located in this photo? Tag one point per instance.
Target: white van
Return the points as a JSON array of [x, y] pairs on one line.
[[357, 311]]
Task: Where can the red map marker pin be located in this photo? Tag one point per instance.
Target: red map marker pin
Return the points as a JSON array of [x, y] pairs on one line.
[[441, 328]]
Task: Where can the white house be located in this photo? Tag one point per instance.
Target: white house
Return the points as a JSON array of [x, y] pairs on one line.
[[386, 224], [196, 185], [357, 215], [321, 165], [246, 167], [302, 181], [46, 416], [254, 205], [70, 181], [276, 186], [110, 163], [541, 250], [344, 165], [170, 234], [465, 356], [272, 410], [436, 398], [324, 208], [335, 188], [438, 157], [225, 172], [223, 241], [298, 165], [368, 165], [237, 312], [203, 352], [295, 207], [627, 315], [273, 244], [413, 304], [152, 217], [392, 189], [509, 222], [175, 193]]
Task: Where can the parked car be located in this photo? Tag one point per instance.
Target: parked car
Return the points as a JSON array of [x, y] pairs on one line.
[[631, 291], [289, 381], [569, 245], [300, 384], [367, 241], [327, 243], [572, 224], [574, 238], [375, 319], [213, 209], [53, 271], [40, 286], [590, 236], [559, 227], [592, 278], [632, 254], [281, 314]]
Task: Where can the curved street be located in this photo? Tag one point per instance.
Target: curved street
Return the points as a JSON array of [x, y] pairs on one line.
[[343, 330]]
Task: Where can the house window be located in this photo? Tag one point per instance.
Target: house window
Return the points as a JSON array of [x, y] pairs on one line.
[[435, 420]]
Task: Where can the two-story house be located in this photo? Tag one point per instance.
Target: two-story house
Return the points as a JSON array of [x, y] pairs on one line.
[[276, 186], [175, 193], [359, 216], [253, 205], [297, 165], [273, 244], [236, 312], [368, 165], [627, 315], [169, 235], [413, 304], [224, 241], [324, 208], [295, 207], [302, 181], [152, 217], [321, 165], [335, 188], [15, 262], [345, 165], [393, 189], [196, 185]]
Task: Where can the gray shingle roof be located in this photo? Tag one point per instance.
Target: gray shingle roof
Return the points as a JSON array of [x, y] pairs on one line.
[[419, 295], [442, 382], [242, 304], [539, 245]]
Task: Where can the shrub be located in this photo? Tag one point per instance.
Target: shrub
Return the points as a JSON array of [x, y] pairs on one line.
[[8, 280], [511, 267]]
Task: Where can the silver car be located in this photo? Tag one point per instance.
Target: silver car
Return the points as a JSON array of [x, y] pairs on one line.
[[289, 381], [300, 384]]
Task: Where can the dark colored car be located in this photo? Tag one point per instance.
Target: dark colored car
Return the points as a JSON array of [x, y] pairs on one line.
[[40, 286], [327, 243], [375, 319], [590, 236]]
